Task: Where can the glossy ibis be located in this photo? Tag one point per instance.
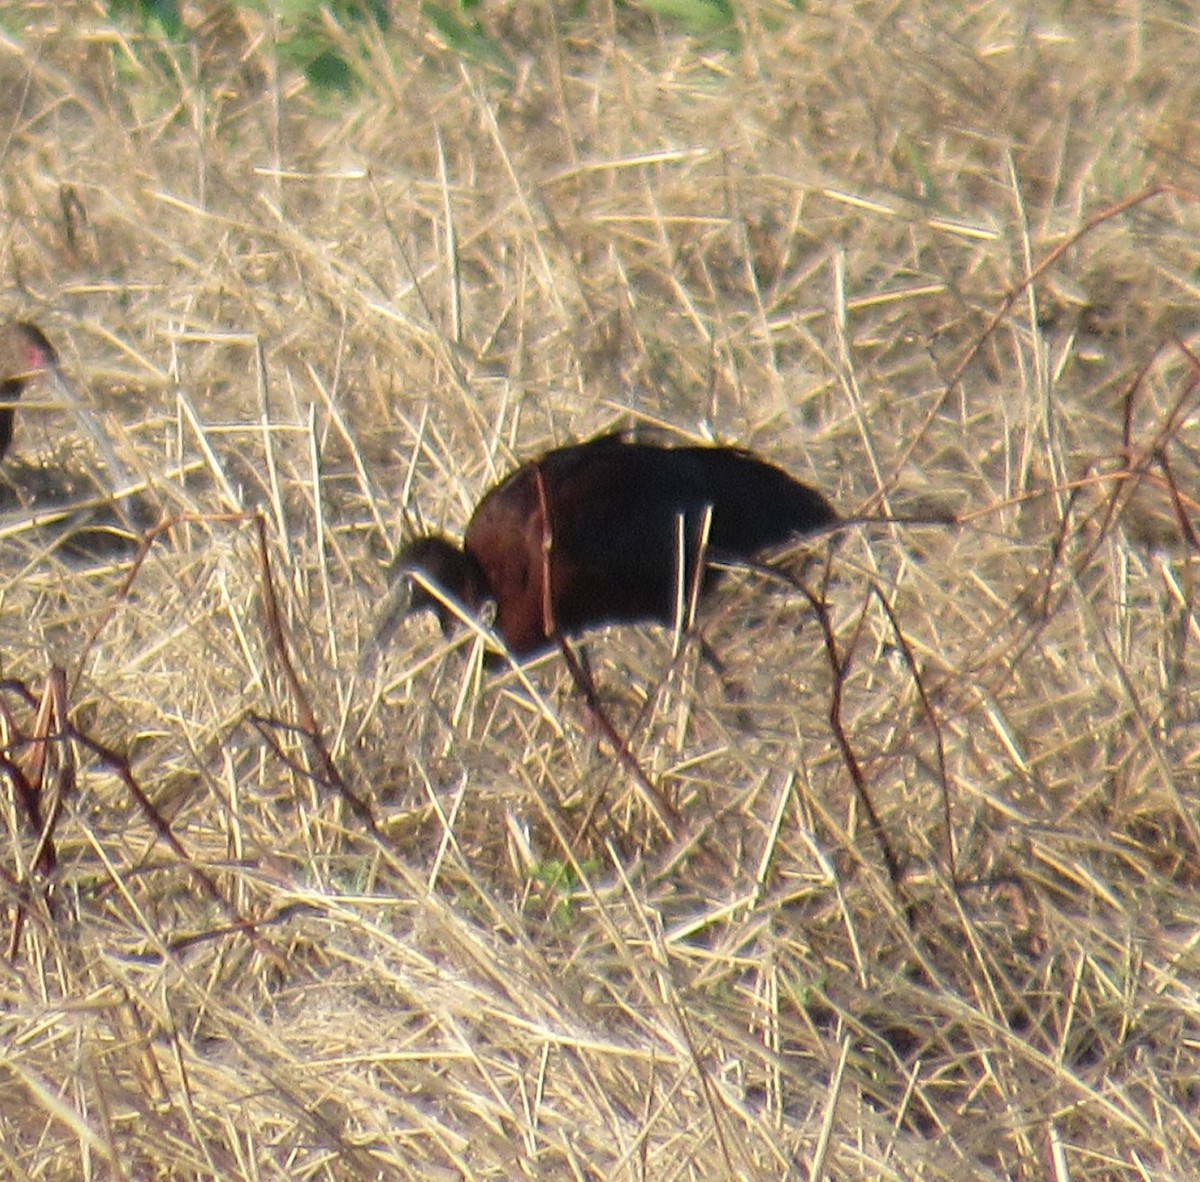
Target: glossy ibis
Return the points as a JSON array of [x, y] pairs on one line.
[[602, 518], [27, 356]]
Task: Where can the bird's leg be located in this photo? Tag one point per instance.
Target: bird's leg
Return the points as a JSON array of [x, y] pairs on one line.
[[664, 812]]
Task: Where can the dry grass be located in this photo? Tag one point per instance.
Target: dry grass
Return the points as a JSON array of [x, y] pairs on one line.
[[343, 316]]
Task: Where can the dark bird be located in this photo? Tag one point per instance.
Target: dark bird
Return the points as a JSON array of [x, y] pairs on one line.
[[602, 518], [27, 356]]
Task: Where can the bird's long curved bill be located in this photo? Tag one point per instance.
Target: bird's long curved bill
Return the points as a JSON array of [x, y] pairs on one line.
[[118, 474], [397, 603]]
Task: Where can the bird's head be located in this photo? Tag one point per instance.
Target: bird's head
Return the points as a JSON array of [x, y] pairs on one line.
[[25, 354], [438, 564], [425, 573]]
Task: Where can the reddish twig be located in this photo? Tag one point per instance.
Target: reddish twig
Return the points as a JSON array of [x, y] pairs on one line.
[[308, 725], [934, 725], [1006, 306], [53, 726], [1177, 498], [838, 667]]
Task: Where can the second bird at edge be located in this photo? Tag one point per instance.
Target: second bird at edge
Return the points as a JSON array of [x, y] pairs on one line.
[[611, 541]]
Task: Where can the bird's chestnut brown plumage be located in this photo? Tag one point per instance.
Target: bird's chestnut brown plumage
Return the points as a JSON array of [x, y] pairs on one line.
[[601, 518]]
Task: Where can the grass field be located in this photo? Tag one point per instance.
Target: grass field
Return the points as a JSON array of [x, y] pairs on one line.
[[304, 921]]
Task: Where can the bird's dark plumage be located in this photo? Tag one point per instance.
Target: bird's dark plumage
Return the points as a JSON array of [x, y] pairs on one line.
[[24, 355], [601, 518]]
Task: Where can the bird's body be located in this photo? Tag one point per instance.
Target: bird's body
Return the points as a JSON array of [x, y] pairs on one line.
[[25, 354], [602, 520]]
